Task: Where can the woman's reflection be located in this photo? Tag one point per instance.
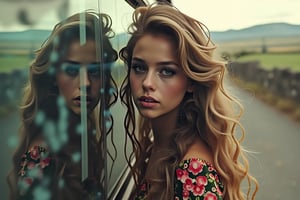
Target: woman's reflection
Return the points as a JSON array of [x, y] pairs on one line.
[[69, 89]]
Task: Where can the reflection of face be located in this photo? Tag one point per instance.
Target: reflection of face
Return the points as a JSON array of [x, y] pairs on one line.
[[158, 84], [81, 61]]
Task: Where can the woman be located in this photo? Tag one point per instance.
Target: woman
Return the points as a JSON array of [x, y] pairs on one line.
[[64, 90], [184, 145]]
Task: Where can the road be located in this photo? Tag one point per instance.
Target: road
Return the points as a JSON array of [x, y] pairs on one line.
[[272, 140]]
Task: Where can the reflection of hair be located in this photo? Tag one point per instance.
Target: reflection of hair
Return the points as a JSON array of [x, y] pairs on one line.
[[208, 111], [40, 95]]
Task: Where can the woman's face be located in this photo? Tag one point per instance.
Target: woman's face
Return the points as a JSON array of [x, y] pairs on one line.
[[78, 77], [157, 82]]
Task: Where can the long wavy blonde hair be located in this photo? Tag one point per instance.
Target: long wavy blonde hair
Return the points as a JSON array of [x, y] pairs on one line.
[[210, 113], [41, 94]]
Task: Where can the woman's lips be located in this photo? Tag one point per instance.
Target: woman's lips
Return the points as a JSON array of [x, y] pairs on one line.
[[78, 100], [147, 102]]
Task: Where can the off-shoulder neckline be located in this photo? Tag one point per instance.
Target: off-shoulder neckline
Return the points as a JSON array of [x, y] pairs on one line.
[[40, 147], [198, 159]]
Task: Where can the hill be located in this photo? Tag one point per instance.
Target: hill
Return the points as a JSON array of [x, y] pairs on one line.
[[28, 35], [258, 31], [271, 30], [252, 37]]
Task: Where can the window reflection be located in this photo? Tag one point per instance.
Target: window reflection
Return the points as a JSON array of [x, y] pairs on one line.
[[19, 40]]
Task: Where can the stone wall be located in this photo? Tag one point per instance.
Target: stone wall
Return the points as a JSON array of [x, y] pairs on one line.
[[281, 82]]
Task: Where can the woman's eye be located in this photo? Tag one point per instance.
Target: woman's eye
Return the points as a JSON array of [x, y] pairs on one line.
[[167, 72], [138, 68], [94, 70], [71, 70]]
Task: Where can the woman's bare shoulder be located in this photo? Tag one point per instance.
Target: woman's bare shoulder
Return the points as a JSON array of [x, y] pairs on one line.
[[200, 150]]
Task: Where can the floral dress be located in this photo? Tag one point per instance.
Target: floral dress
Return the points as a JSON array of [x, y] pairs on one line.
[[38, 179], [196, 179], [35, 166]]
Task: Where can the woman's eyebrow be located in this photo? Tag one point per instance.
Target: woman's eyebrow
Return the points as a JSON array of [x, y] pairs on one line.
[[137, 59], [71, 61], [159, 63], [79, 63], [168, 63]]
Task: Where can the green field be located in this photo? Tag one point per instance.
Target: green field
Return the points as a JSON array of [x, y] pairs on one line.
[[279, 60], [10, 63], [268, 61], [273, 45], [282, 52]]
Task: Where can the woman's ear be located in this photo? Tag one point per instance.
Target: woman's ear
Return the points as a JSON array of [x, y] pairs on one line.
[[190, 87]]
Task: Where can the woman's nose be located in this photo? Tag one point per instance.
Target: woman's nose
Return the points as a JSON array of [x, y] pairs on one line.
[[84, 78], [149, 81]]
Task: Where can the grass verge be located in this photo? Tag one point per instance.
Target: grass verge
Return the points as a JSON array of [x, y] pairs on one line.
[[286, 106]]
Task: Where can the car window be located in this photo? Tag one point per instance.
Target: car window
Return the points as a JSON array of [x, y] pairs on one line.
[[24, 26]]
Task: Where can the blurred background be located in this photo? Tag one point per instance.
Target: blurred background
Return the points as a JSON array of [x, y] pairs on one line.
[[260, 40]]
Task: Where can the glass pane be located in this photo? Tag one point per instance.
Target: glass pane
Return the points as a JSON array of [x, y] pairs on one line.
[[24, 27], [121, 14]]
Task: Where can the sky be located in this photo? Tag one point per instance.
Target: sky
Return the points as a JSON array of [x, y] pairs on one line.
[[217, 15], [220, 15]]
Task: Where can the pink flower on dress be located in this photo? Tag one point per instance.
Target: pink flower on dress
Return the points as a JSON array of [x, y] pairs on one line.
[[217, 178], [185, 194], [143, 187], [211, 176], [201, 180], [199, 190], [210, 168], [28, 180], [31, 165], [195, 166], [35, 153], [188, 184], [182, 175], [45, 162], [210, 196], [219, 191]]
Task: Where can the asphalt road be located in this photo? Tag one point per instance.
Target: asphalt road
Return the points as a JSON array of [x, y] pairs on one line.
[[272, 140]]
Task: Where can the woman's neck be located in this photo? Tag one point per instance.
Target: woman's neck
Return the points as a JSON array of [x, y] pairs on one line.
[[163, 128]]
